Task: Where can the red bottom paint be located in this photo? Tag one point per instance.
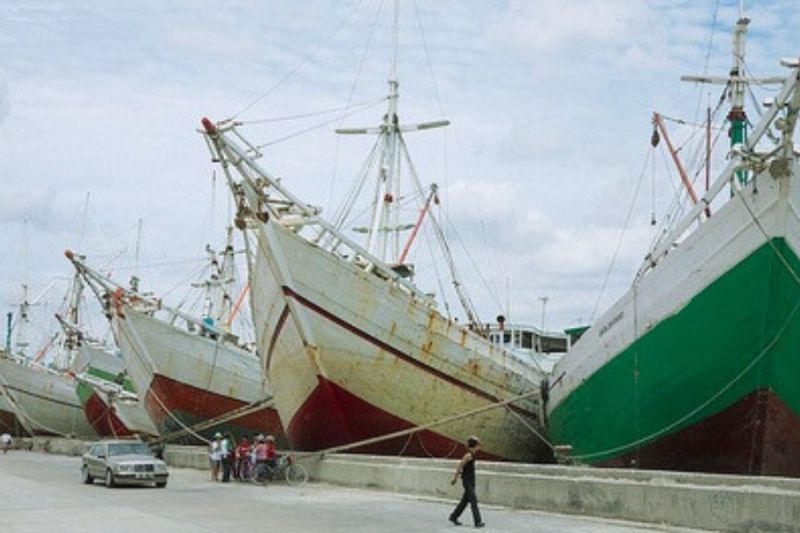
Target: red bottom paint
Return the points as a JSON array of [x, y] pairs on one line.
[[332, 416], [192, 405], [759, 435], [103, 419], [10, 424]]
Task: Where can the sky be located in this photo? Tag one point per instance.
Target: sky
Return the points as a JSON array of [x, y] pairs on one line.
[[550, 105]]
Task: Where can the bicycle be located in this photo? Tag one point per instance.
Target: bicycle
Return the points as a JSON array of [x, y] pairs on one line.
[[286, 467]]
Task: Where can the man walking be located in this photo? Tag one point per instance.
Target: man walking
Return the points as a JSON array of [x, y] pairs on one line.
[[466, 469]]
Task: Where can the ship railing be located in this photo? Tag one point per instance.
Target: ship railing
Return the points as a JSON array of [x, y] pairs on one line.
[[260, 190], [148, 304]]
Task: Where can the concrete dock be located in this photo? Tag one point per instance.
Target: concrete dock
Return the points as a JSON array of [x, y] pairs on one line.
[[352, 491], [43, 492]]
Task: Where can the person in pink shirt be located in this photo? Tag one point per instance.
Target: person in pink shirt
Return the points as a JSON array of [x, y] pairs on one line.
[[243, 464], [261, 450]]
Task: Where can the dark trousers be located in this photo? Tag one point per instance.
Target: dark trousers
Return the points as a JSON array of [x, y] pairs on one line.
[[470, 498], [227, 466]]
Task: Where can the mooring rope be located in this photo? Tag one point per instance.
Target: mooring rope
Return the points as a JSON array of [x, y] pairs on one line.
[[422, 427], [33, 425], [205, 424]]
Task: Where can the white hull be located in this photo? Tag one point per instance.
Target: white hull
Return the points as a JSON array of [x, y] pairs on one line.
[[101, 364], [321, 323], [48, 401], [729, 236], [184, 376], [151, 346]]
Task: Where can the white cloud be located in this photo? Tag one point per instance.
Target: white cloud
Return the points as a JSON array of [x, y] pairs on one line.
[[550, 103], [545, 26]]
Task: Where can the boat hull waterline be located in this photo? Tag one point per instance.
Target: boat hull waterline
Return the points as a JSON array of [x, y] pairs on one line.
[[380, 361], [47, 400], [189, 379], [697, 371]]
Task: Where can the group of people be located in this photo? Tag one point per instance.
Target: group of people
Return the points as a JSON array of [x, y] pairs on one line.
[[238, 460]]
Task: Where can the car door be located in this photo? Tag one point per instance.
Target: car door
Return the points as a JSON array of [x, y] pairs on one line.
[[97, 468]]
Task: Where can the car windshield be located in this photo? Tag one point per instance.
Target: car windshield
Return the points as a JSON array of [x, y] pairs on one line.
[[128, 448]]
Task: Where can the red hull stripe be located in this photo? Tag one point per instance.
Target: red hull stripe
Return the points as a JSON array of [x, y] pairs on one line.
[[103, 419], [399, 354], [202, 404], [332, 416]]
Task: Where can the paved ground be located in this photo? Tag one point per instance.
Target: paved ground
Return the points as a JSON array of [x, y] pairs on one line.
[[43, 493]]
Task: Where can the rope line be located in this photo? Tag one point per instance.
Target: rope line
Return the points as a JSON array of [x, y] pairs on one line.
[[300, 64], [205, 424], [33, 423], [621, 237], [419, 428]]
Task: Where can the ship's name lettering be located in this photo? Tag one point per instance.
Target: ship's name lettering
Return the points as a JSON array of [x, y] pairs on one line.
[[611, 323]]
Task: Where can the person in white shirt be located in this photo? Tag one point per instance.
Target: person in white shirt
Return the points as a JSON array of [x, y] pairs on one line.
[[6, 441], [215, 456]]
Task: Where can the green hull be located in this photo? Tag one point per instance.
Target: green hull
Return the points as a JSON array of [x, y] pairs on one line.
[[738, 336]]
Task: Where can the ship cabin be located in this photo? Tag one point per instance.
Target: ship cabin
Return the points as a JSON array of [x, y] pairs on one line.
[[530, 343]]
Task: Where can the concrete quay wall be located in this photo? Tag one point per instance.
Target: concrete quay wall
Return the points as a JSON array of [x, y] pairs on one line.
[[703, 501], [727, 503]]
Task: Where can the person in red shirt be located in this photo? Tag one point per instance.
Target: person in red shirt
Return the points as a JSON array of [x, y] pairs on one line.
[[271, 453], [243, 465]]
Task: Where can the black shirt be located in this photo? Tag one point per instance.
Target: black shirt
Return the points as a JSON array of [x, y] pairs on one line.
[[468, 472]]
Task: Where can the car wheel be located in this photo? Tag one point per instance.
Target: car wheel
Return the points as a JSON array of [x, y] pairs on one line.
[[87, 478], [109, 479], [161, 484]]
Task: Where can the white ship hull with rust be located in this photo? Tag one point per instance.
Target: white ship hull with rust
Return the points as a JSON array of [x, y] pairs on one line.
[[353, 356], [186, 379]]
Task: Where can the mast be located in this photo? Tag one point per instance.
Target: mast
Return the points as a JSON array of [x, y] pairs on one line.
[[9, 319], [72, 335], [385, 226], [737, 84], [228, 277], [135, 276], [385, 191], [22, 343], [217, 299], [737, 116]]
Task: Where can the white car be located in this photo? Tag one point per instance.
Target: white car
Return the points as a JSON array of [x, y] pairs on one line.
[[123, 462]]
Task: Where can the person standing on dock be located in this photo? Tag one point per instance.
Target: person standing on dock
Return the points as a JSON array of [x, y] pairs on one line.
[[6, 440], [466, 469], [227, 457], [215, 455]]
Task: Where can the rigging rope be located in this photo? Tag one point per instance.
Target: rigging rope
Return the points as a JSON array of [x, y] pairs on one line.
[[310, 114], [350, 99], [713, 28], [429, 425], [192, 430], [34, 425], [621, 237], [315, 127], [299, 65]]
